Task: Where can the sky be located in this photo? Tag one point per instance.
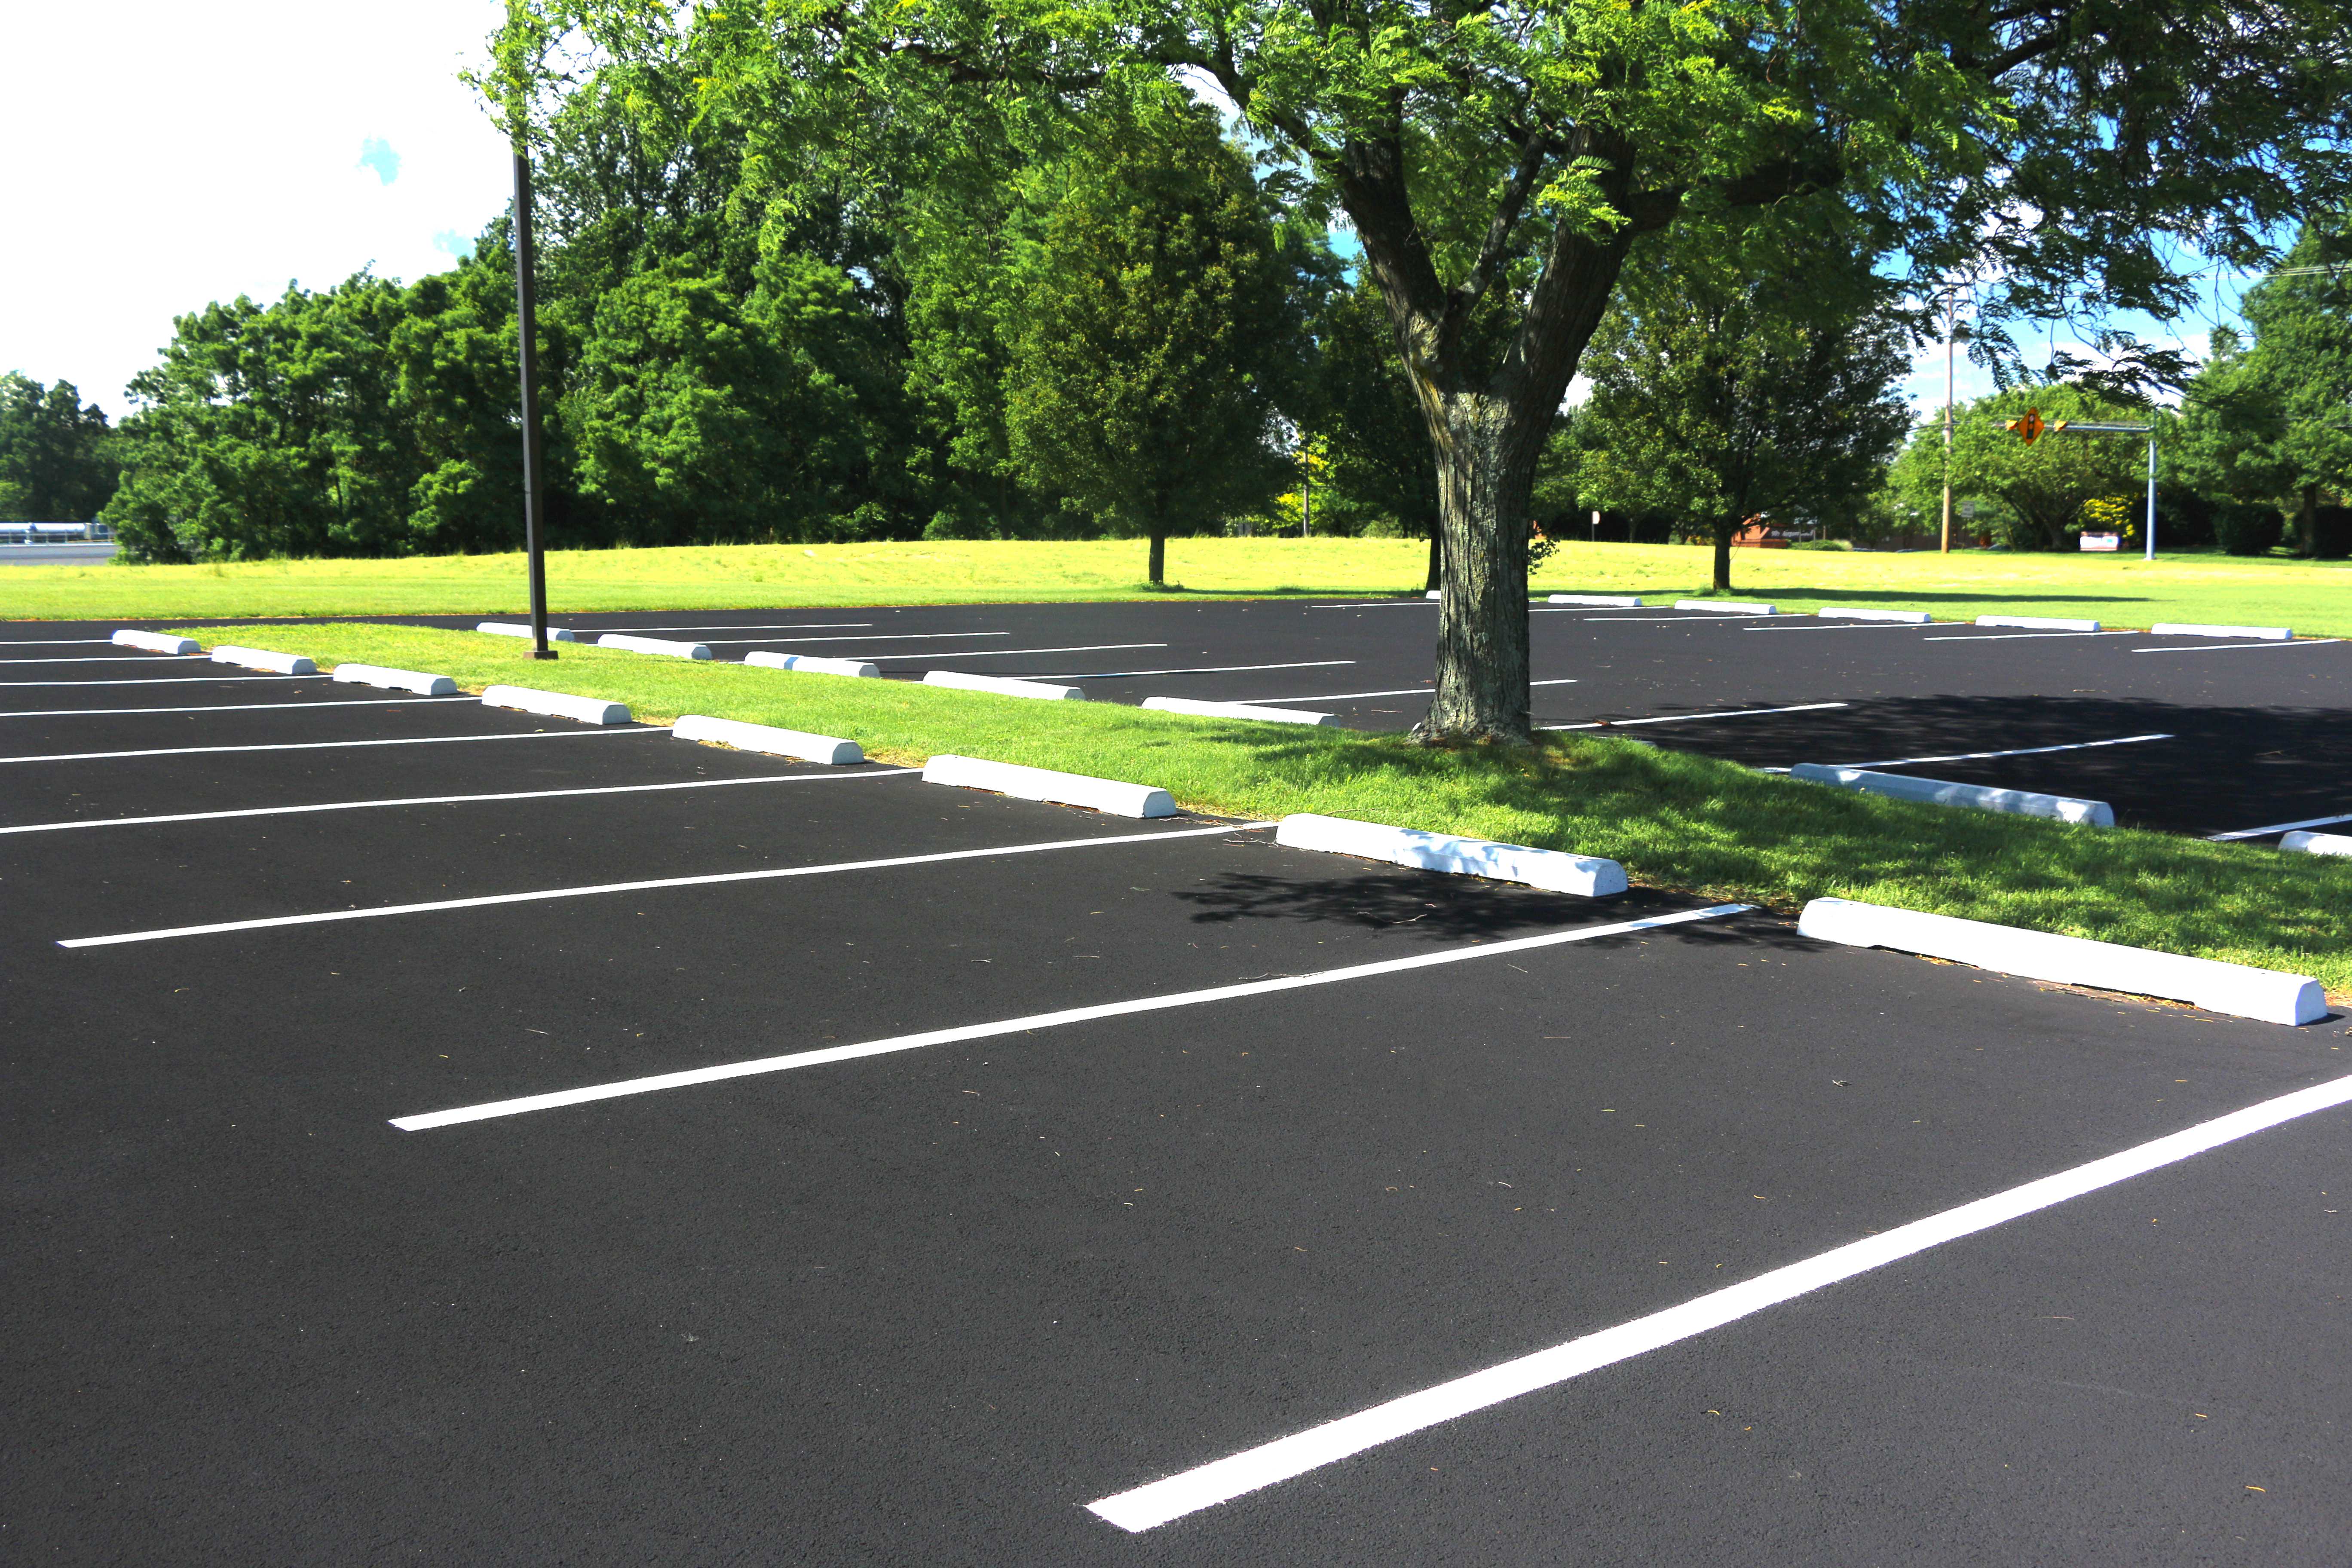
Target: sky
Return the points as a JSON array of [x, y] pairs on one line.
[[165, 155]]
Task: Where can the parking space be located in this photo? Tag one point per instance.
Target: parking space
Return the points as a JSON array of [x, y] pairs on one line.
[[584, 1145]]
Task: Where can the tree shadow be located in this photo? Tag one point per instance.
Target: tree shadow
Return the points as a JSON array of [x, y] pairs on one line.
[[1418, 903]]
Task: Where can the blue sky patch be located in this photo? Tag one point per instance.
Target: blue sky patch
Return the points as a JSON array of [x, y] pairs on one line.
[[376, 154]]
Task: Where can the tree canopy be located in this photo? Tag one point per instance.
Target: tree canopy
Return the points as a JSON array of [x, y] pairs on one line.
[[56, 462]]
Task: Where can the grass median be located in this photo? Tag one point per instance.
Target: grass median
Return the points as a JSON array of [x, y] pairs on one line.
[[1676, 820], [2312, 597]]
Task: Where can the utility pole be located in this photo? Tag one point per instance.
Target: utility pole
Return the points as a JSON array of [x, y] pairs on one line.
[[1951, 332], [534, 499]]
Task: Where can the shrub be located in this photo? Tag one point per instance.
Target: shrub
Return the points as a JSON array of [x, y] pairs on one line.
[[2247, 527], [1822, 544], [2331, 533]]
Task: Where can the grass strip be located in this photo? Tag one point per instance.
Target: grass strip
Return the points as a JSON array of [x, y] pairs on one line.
[[2313, 597], [1674, 819]]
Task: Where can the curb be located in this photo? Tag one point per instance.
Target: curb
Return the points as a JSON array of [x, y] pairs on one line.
[[2318, 843], [1907, 618], [1004, 685], [1942, 792], [1725, 607], [2238, 989], [154, 642], [654, 644], [262, 658], [1106, 796], [2038, 623], [556, 704], [1606, 600], [1585, 875], [515, 629], [1432, 593], [1236, 710], [767, 738], [2253, 634], [395, 680], [809, 665]]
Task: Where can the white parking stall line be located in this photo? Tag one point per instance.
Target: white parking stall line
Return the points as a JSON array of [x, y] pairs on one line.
[[2019, 752], [754, 626], [596, 890], [57, 642], [1400, 691], [236, 706], [2277, 827], [1195, 669], [1147, 1507], [1678, 718], [2240, 647], [170, 680], [1011, 652], [1378, 605], [2023, 636], [657, 1083], [101, 659], [829, 777], [1643, 620], [1847, 627], [867, 637], [336, 745]]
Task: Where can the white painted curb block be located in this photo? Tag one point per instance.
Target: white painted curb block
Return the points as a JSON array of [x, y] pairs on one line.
[[1434, 594], [1236, 710], [556, 704], [2241, 990], [808, 664], [1004, 685], [767, 738], [154, 642], [654, 644], [1941, 792], [262, 658], [396, 680], [2038, 623], [1606, 600], [2253, 634], [517, 629], [1725, 607], [1585, 876], [1907, 618], [2318, 843], [1106, 796]]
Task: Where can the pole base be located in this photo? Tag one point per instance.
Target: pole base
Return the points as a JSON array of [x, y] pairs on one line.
[[543, 653]]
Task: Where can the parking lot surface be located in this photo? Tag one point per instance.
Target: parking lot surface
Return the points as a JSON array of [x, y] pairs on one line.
[[456, 1135]]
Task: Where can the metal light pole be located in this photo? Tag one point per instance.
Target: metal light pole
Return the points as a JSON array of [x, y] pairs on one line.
[[2095, 427], [534, 500]]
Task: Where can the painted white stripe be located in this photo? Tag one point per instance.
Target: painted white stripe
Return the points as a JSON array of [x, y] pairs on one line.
[[719, 1074], [2241, 646], [1376, 605], [1586, 610], [167, 680], [102, 659], [2020, 752], [710, 880], [321, 706], [2278, 827], [1848, 627], [1189, 1492], [1638, 620], [1400, 691], [757, 626], [2029, 636], [445, 800], [1195, 670], [1677, 718], [1011, 652], [869, 637], [332, 745], [57, 642]]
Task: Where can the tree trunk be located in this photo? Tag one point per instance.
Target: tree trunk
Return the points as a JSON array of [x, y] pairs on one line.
[[1487, 454], [1724, 530], [1158, 559], [2306, 523], [1436, 559]]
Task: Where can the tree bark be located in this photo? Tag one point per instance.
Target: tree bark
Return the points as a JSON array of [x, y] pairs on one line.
[[1485, 474], [1159, 568], [1436, 559], [1724, 530], [2306, 523]]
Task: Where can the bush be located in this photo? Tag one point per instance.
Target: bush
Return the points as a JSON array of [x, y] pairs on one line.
[[2331, 533], [2247, 527], [1822, 544]]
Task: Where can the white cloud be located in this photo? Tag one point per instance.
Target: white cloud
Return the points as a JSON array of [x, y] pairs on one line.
[[164, 155]]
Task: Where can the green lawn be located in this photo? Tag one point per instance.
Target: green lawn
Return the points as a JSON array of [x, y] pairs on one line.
[[1676, 820], [2311, 597]]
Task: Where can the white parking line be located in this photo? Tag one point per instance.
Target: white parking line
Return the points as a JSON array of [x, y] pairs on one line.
[[867, 636], [710, 880], [2278, 827], [1009, 652], [2020, 752], [747, 627], [447, 800], [693, 1076], [100, 658], [1676, 718], [57, 642], [335, 745], [1147, 1507], [2240, 647], [1847, 627], [2029, 636], [235, 707], [170, 680], [1378, 605], [1646, 620], [1400, 691], [1195, 669]]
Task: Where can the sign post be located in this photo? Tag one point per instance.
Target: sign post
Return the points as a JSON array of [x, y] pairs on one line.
[[534, 500]]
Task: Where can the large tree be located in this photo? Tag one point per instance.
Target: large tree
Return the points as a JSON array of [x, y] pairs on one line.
[[1518, 149], [56, 455]]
